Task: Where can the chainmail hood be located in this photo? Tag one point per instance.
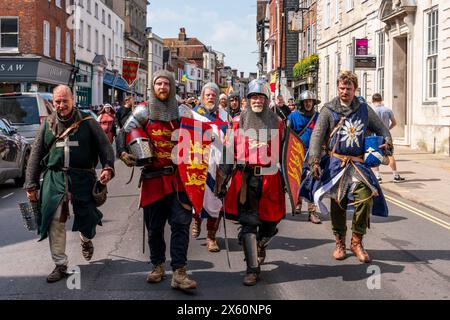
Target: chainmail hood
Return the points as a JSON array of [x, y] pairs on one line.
[[163, 110], [266, 119]]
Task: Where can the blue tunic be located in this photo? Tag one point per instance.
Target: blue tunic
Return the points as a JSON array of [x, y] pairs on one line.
[[349, 140]]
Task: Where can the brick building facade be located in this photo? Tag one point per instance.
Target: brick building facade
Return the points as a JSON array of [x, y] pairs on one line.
[[36, 50]]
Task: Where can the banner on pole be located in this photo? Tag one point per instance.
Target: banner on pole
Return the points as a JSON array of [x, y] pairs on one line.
[[130, 70]]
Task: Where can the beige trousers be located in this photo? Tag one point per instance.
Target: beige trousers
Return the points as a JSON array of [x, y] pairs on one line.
[[57, 239]]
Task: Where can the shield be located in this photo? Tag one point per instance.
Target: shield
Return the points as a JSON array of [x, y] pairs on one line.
[[194, 141], [293, 157]]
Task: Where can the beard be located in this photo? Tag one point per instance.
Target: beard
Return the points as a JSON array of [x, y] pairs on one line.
[[257, 109], [162, 95], [209, 105]]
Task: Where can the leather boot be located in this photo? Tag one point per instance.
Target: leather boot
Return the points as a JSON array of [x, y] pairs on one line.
[[357, 248], [60, 272], [180, 280], [87, 249], [157, 275], [196, 227], [339, 251], [250, 279], [211, 242], [314, 217], [261, 254]]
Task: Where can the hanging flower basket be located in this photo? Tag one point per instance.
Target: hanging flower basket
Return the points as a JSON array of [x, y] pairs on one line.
[[306, 66]]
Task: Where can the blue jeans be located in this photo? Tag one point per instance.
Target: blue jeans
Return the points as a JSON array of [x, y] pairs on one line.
[[155, 217]]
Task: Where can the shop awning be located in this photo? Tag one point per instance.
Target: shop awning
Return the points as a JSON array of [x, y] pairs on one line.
[[116, 81]]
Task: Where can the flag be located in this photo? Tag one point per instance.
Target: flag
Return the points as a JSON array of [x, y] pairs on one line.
[[130, 70], [273, 82]]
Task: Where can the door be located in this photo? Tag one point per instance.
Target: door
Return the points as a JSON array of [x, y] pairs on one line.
[[399, 86]]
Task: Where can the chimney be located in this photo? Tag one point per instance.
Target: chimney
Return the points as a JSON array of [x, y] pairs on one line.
[[242, 75], [182, 34]]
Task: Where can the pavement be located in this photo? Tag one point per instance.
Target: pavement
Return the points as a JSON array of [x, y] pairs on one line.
[[427, 178]]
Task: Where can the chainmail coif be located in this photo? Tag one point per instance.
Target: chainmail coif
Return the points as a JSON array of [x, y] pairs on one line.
[[163, 110]]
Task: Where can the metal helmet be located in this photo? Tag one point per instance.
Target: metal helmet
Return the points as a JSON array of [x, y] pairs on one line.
[[308, 95], [258, 86], [99, 192]]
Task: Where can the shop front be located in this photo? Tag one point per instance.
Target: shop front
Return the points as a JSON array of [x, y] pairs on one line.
[[115, 88], [33, 74]]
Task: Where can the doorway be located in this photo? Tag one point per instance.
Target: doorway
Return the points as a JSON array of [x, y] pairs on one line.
[[399, 86]]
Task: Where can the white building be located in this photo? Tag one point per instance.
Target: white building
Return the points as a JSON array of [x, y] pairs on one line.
[[194, 78], [209, 66], [155, 54], [410, 41], [99, 46]]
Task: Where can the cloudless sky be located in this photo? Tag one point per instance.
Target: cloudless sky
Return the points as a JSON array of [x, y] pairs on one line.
[[228, 26]]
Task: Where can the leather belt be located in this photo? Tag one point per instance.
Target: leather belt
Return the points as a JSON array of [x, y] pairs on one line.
[[166, 171], [345, 158]]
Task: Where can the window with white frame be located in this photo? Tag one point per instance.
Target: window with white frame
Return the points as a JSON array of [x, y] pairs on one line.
[[380, 62], [58, 43], [308, 40], [80, 34], [88, 6], [103, 45], [109, 49], [67, 47], [96, 10], [431, 53], [58, 3], [349, 57], [313, 36], [88, 45], [349, 4], [103, 16], [96, 42], [327, 13], [9, 33], [337, 12], [46, 38], [81, 3], [337, 65], [109, 20]]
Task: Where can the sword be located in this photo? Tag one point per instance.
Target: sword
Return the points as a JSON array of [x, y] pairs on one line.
[[225, 233]]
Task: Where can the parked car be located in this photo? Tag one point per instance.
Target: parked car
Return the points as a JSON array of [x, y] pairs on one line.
[[14, 153], [26, 110]]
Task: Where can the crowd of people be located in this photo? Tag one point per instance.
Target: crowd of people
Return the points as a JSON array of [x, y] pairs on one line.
[[251, 189]]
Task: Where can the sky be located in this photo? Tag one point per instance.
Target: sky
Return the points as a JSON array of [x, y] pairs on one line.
[[228, 26]]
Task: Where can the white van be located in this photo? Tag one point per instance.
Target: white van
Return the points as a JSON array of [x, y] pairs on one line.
[[26, 111]]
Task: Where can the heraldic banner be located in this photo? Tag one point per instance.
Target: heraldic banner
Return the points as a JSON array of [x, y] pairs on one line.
[[193, 156], [130, 70], [292, 164]]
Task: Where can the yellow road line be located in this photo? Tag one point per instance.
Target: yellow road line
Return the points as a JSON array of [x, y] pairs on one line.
[[418, 212]]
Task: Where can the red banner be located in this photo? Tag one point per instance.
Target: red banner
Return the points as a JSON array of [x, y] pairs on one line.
[[292, 164], [130, 70], [193, 153]]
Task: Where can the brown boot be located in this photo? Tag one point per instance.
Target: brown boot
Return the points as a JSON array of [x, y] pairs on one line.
[[314, 217], [357, 248], [60, 272], [261, 254], [157, 275], [250, 279], [180, 280], [339, 251], [196, 227], [87, 249], [211, 242]]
